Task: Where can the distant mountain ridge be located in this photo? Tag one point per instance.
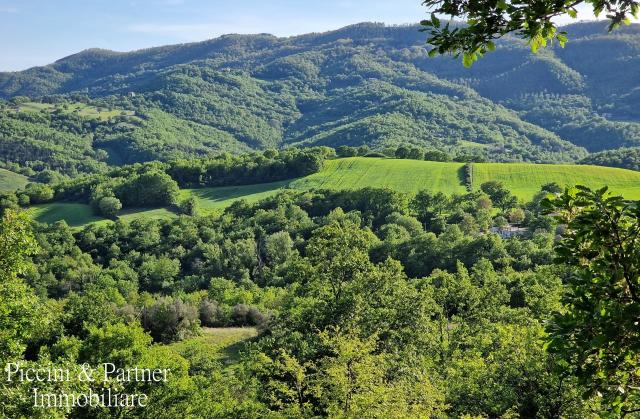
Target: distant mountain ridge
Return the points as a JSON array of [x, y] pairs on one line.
[[365, 84]]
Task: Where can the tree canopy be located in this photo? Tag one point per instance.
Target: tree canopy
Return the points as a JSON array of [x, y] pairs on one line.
[[531, 20]]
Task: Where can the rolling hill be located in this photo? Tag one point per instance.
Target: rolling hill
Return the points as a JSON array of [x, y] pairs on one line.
[[365, 84], [524, 180], [409, 176]]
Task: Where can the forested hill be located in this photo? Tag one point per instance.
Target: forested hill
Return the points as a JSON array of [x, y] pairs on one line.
[[366, 84]]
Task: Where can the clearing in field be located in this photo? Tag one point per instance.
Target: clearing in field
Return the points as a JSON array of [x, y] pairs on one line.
[[10, 181], [216, 344], [79, 109], [525, 180]]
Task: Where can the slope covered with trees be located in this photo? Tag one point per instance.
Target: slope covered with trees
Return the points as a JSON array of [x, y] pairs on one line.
[[357, 296], [366, 84]]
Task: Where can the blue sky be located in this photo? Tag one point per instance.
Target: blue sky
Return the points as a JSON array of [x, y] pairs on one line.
[[38, 32]]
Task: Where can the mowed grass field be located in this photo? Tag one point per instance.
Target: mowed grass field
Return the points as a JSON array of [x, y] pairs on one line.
[[75, 215], [350, 173], [211, 199], [401, 175], [10, 181], [410, 176], [525, 180]]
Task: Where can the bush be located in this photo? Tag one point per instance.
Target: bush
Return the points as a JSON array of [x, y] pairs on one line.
[[189, 206], [49, 176], [169, 320], [152, 189], [38, 193], [24, 200], [346, 151], [109, 207], [244, 315], [436, 155], [211, 314], [402, 152]]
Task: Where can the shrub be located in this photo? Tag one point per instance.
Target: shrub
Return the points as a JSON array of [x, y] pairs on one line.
[[169, 320], [211, 314], [189, 206], [109, 206], [244, 315], [38, 193]]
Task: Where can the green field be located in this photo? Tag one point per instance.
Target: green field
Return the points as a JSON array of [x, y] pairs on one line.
[[350, 173], [210, 199], [410, 176], [524, 180], [10, 181], [74, 214], [401, 175], [131, 214], [218, 344], [80, 109]]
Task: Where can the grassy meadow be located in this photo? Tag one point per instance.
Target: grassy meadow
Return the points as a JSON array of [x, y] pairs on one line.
[[10, 181], [524, 180], [401, 175], [74, 214], [409, 176], [80, 109], [217, 344]]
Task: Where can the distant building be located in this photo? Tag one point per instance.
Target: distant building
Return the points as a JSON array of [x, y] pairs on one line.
[[131, 94], [509, 231]]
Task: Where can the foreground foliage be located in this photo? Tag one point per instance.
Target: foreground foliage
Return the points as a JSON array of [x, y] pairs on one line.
[[368, 302], [597, 333]]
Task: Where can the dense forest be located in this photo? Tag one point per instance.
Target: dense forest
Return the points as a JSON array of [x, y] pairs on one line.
[[368, 303], [625, 158], [363, 85]]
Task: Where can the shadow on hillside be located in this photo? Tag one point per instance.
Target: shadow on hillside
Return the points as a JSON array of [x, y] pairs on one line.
[[224, 193]]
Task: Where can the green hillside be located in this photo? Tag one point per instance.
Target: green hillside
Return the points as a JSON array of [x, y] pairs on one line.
[[10, 181], [402, 175], [409, 176], [351, 173], [218, 198], [524, 180], [366, 84]]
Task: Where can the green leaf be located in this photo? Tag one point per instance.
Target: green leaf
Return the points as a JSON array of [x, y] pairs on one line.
[[491, 46], [433, 52], [562, 38], [467, 59], [435, 21]]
